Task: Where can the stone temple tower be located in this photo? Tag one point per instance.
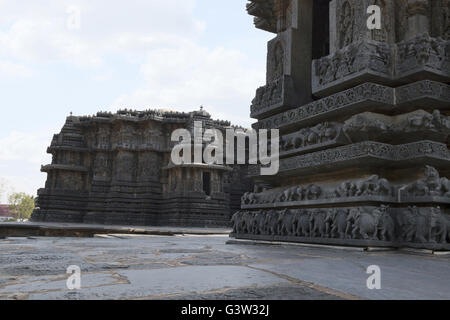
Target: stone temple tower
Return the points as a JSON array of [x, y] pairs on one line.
[[364, 123]]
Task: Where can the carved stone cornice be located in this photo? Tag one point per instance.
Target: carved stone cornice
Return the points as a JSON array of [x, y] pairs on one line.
[[362, 154], [361, 98], [63, 167], [365, 97]]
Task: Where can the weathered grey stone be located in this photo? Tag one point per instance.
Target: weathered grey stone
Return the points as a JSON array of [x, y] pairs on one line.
[[367, 161]]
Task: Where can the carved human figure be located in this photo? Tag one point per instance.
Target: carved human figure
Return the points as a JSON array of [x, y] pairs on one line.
[[277, 61], [347, 21]]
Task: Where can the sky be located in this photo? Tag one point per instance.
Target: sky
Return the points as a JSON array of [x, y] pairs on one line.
[[84, 56]]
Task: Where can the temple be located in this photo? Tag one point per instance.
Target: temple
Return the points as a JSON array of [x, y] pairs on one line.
[[117, 169], [364, 122]]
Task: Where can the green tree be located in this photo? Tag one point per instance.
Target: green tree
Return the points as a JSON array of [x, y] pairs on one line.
[[21, 205]]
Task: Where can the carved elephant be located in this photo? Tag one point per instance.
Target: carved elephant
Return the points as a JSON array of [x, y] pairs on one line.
[[346, 189], [313, 192], [365, 225], [303, 224], [328, 132], [445, 187], [299, 141], [386, 225], [287, 223], [317, 224], [374, 186], [287, 143], [257, 217], [247, 218], [293, 194], [337, 218], [271, 220], [312, 138], [235, 222]]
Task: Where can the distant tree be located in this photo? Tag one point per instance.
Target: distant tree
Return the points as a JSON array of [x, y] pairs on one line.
[[21, 205]]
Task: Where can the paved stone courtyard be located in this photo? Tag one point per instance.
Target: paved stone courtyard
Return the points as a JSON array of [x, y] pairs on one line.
[[205, 267]]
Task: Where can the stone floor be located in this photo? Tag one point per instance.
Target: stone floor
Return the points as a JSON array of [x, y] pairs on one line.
[[205, 267]]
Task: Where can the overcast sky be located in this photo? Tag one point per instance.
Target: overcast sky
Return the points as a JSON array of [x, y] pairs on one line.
[[172, 54]]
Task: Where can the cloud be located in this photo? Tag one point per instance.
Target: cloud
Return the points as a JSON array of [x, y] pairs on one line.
[[158, 41], [28, 147], [186, 75], [42, 33], [21, 155], [10, 69]]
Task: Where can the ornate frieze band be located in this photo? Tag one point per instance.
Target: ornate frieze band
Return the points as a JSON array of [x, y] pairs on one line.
[[366, 153], [365, 97], [425, 227]]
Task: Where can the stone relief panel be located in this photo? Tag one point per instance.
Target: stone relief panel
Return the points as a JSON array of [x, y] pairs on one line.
[[124, 136], [70, 181], [275, 60], [362, 56], [149, 166], [102, 165], [423, 52], [406, 127], [387, 62], [349, 19], [401, 19], [103, 137], [346, 16], [411, 224], [268, 96], [431, 185], [431, 188], [325, 133], [125, 166], [69, 158]]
